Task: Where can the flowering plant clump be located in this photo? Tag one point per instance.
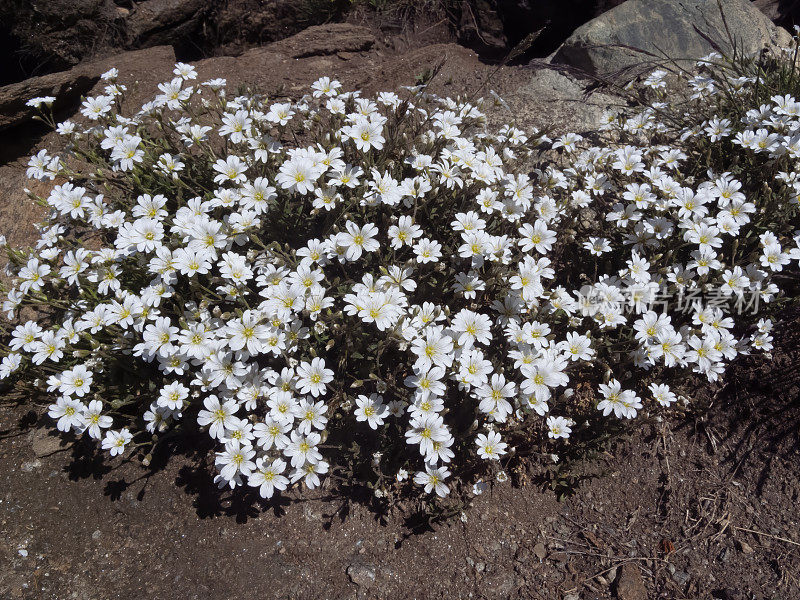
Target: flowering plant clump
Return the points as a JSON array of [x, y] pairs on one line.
[[342, 286]]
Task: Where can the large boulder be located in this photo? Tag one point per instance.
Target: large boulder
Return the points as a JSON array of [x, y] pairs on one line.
[[325, 40], [68, 86], [553, 100], [338, 50], [638, 34]]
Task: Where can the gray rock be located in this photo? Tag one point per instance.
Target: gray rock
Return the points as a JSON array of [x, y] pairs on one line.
[[551, 97], [665, 28], [52, 35], [612, 574], [540, 551], [681, 577], [501, 584], [361, 574]]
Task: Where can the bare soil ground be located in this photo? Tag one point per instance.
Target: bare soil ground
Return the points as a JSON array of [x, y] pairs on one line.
[[703, 506]]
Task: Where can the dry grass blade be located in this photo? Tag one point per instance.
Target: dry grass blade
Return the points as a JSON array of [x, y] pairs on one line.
[[768, 535], [708, 39]]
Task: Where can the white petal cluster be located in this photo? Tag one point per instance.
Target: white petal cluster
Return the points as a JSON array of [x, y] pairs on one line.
[[294, 277]]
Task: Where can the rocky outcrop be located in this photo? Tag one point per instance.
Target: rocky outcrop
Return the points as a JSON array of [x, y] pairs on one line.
[[638, 34], [53, 35], [68, 86], [495, 27], [238, 25], [156, 22], [325, 40], [549, 97], [47, 36]]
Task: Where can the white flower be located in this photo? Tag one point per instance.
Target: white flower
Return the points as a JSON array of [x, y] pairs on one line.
[[494, 286], [10, 363], [217, 415], [490, 446], [310, 415], [597, 245], [405, 232], [427, 250], [577, 347], [543, 374], [434, 348], [371, 409], [662, 394], [96, 106], [310, 473], [734, 282], [185, 71], [172, 396], [127, 152], [325, 87], [558, 427], [472, 328], [246, 333], [267, 476], [425, 430], [235, 461], [427, 383], [433, 480], [230, 170], [236, 126], [95, 421], [272, 432], [37, 102], [366, 134], [280, 113], [623, 403], [302, 449], [115, 441], [69, 412], [536, 237], [493, 396], [76, 381], [358, 239], [298, 174]]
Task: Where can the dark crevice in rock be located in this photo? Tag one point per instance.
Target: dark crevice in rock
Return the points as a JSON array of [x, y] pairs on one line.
[[493, 28]]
